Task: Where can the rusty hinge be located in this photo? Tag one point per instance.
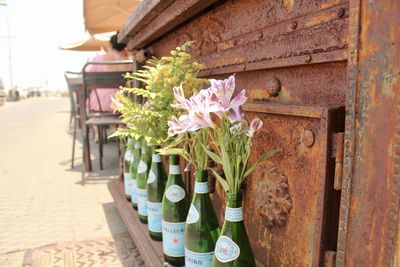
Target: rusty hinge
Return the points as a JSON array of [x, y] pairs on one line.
[[329, 258], [337, 153]]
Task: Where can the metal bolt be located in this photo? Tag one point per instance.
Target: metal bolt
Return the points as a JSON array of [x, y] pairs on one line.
[[273, 87], [308, 58], [293, 25], [142, 55], [307, 138], [340, 12]]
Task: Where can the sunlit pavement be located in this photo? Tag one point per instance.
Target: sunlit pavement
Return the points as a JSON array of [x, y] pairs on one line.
[[42, 202]]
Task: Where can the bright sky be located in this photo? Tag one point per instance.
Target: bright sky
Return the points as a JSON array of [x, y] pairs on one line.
[[34, 30]]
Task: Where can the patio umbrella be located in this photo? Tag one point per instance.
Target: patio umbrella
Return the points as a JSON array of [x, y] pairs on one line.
[[88, 43], [107, 15]]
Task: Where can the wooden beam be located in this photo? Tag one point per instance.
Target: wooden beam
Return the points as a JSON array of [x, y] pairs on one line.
[[150, 250]]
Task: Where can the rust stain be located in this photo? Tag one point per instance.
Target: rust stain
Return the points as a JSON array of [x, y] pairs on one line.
[[321, 18], [288, 5]]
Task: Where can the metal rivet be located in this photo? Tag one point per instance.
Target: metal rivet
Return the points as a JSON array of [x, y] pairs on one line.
[[308, 58], [340, 12], [142, 55], [293, 25], [273, 87], [307, 138]]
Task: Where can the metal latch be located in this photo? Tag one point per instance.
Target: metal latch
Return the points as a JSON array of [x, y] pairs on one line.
[[337, 153]]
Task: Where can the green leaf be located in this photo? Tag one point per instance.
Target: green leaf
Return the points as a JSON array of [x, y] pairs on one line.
[[174, 151], [120, 132], [212, 155], [265, 156], [221, 180]]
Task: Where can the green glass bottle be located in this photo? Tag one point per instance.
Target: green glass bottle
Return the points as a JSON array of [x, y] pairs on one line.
[[133, 170], [233, 247], [141, 181], [127, 165], [202, 229], [175, 206], [155, 192]]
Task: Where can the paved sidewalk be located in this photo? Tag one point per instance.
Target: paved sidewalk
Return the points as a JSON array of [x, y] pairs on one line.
[[41, 199]]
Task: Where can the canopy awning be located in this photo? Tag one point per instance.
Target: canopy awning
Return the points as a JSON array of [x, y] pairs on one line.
[[107, 15], [88, 43]]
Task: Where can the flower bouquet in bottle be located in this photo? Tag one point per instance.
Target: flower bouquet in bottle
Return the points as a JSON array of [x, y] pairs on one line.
[[230, 136]]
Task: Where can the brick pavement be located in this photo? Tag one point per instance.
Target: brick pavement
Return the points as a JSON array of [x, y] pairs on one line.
[[41, 199]]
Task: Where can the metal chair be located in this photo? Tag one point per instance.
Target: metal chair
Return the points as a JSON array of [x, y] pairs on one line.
[[74, 82], [101, 120]]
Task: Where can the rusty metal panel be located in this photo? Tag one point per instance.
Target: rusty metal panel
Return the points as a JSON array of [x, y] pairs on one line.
[[271, 34], [322, 84], [370, 208], [303, 44], [290, 56], [291, 207]]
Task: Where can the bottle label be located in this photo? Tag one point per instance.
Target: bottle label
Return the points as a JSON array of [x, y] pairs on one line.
[[127, 178], [234, 214], [134, 191], [226, 249], [142, 167], [130, 186], [174, 169], [142, 201], [156, 158], [196, 259], [173, 235], [151, 178], [201, 187], [128, 156], [154, 217], [193, 215], [175, 193]]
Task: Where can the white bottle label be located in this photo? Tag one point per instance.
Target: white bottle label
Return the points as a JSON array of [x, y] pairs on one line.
[[226, 249], [173, 235], [134, 191], [156, 158], [201, 187], [174, 169], [142, 201], [151, 178], [193, 215], [128, 156], [234, 214], [154, 217], [142, 167], [196, 259], [175, 193], [127, 178]]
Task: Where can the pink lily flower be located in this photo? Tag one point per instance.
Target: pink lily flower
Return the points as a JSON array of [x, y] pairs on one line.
[[222, 98], [182, 102], [199, 113], [255, 125], [179, 126]]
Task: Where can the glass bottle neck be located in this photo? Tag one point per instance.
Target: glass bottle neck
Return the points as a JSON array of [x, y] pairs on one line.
[[234, 201], [174, 160], [201, 183], [234, 210]]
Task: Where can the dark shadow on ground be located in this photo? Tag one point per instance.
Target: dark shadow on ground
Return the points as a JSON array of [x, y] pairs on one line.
[[96, 176]]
